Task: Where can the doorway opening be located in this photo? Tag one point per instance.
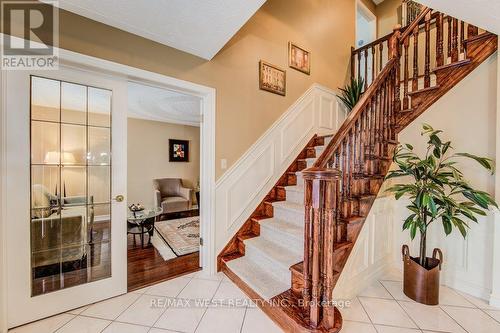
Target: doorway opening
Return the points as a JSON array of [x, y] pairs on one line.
[[366, 32], [163, 184]]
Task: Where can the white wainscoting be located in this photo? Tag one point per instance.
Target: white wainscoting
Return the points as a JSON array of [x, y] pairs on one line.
[[246, 183], [372, 253]]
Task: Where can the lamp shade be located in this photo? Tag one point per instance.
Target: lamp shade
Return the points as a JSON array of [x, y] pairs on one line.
[[53, 157]]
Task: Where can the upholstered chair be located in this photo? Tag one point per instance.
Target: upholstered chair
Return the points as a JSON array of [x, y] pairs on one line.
[[171, 195]]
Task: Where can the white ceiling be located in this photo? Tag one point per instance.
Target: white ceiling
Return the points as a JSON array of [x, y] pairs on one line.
[[483, 13], [378, 2], [150, 103], [199, 27]]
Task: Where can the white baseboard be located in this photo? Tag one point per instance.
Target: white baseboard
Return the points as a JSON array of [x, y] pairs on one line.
[[495, 300]]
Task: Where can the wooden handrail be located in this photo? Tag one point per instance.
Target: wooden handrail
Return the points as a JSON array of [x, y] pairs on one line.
[[354, 115], [374, 43]]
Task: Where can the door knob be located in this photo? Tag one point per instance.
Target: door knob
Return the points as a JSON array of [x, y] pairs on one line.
[[119, 198]]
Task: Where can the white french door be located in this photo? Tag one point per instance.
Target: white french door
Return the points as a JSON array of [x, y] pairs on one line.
[[66, 180]]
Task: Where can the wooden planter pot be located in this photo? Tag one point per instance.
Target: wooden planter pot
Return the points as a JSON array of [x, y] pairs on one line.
[[421, 284]]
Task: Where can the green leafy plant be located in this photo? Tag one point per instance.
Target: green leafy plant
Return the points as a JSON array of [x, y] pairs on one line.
[[351, 93], [438, 190]]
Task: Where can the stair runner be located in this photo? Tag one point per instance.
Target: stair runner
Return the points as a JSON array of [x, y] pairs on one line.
[[265, 267]]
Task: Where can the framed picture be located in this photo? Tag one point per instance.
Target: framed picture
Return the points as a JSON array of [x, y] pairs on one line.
[[178, 150], [272, 78], [299, 58]]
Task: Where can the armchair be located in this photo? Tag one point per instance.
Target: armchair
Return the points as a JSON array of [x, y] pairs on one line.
[[54, 226], [171, 195]]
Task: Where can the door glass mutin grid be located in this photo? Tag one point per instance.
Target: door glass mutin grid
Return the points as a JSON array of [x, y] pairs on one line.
[[70, 213]]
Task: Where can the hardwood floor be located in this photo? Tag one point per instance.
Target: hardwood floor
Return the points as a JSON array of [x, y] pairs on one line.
[[146, 266]]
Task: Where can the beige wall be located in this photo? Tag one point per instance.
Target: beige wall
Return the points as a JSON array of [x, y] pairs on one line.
[[467, 114], [369, 4], [147, 155], [387, 16], [324, 27]]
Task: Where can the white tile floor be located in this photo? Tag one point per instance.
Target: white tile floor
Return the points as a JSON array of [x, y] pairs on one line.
[[381, 308]]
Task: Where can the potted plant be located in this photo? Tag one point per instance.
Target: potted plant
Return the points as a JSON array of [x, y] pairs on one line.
[[438, 191], [351, 93]]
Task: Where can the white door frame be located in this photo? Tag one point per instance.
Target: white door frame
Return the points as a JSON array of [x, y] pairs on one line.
[[207, 96]]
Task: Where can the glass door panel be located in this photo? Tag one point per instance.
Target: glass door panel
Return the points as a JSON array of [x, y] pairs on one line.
[[70, 184]]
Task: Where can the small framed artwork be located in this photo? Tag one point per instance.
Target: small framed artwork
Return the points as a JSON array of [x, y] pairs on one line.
[[178, 150], [299, 58], [272, 78]]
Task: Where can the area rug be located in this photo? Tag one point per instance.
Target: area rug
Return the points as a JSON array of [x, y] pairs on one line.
[[182, 236]]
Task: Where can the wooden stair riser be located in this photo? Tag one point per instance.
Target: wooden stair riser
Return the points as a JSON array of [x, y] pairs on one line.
[[268, 209], [444, 71], [291, 178], [280, 193], [353, 230], [340, 256], [319, 141], [349, 207], [365, 185], [356, 206], [360, 186], [419, 96], [375, 165], [301, 165]]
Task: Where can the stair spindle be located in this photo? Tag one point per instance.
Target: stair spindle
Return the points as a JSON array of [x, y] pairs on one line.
[[439, 37], [359, 66], [395, 52], [373, 122], [350, 168], [415, 60], [406, 101], [353, 63], [362, 146], [373, 64], [427, 67], [449, 36], [357, 140], [380, 133], [385, 122], [454, 41], [366, 69], [462, 36], [472, 31], [381, 56]]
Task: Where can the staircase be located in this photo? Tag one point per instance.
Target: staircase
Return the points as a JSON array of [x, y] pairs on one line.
[[272, 239], [291, 251]]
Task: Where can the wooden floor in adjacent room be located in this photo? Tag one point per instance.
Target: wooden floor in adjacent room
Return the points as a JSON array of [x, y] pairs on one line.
[[146, 266]]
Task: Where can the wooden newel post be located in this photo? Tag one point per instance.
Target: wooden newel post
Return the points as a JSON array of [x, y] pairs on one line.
[[321, 190], [394, 42], [395, 52]]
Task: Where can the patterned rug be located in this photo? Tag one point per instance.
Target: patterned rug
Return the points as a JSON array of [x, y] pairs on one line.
[[182, 236]]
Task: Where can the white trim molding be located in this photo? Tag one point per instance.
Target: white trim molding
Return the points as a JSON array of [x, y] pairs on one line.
[[495, 292], [3, 208], [247, 182], [372, 252]]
